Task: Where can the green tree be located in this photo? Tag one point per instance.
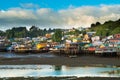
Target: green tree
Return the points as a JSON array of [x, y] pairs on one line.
[[33, 28], [34, 31], [17, 32], [98, 23], [93, 25], [108, 28], [77, 32], [9, 33], [2, 33], [57, 35]]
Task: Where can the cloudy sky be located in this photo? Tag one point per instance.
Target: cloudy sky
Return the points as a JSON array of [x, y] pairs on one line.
[[57, 13]]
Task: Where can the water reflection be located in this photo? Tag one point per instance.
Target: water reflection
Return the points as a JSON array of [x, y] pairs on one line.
[[51, 70], [57, 68], [112, 72]]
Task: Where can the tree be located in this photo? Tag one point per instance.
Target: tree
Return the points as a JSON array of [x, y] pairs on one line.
[[33, 28], [77, 32], [95, 25], [9, 33], [98, 23], [92, 25], [2, 33], [57, 36], [34, 31], [49, 30], [17, 32]]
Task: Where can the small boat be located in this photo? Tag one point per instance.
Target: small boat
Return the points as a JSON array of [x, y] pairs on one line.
[[73, 56]]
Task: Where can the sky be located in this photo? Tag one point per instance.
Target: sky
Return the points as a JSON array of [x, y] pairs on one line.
[[57, 13]]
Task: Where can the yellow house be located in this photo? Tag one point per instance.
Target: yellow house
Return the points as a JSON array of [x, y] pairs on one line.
[[41, 45], [86, 37]]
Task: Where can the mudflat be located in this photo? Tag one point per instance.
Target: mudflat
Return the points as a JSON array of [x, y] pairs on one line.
[[62, 60]]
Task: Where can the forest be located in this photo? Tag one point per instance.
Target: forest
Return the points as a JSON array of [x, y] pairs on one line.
[[107, 28]]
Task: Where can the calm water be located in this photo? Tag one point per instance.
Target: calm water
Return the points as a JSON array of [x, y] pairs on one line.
[[51, 70]]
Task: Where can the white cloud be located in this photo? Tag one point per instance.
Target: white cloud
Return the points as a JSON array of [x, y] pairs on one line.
[[67, 18], [29, 5]]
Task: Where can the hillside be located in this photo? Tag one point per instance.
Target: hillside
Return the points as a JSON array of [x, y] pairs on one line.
[[108, 28]]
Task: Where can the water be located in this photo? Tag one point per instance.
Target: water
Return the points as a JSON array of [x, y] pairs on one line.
[[58, 71], [13, 55]]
